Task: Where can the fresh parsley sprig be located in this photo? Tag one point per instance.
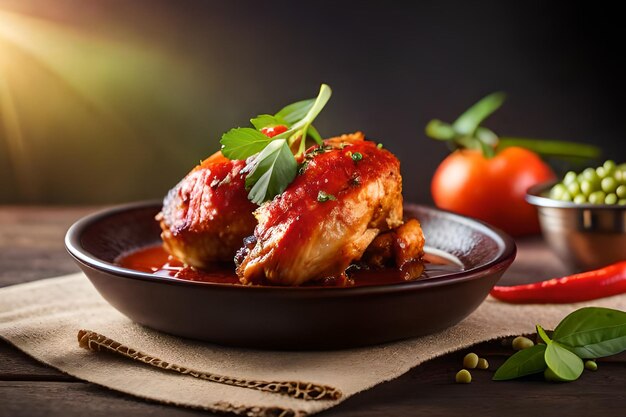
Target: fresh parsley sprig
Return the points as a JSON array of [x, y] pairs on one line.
[[587, 333], [273, 165]]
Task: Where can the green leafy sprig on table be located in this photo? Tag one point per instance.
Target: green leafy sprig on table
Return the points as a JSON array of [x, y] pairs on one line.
[[273, 165], [587, 333], [468, 133]]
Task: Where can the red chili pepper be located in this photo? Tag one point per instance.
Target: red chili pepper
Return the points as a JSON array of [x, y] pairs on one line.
[[610, 280], [272, 131]]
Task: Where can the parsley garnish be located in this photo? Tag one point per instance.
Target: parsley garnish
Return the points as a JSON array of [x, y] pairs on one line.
[[273, 170], [322, 197], [274, 166]]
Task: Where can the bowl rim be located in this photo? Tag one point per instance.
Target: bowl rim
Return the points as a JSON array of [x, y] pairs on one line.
[[534, 196], [505, 257]]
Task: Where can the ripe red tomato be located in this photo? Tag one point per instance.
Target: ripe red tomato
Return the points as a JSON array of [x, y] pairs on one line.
[[272, 131], [493, 189]]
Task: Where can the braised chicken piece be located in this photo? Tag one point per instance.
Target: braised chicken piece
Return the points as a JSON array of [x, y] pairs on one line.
[[207, 215], [346, 193], [400, 247], [396, 247]]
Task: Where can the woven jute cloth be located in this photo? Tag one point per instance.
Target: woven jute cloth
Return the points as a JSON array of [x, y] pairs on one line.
[[65, 323]]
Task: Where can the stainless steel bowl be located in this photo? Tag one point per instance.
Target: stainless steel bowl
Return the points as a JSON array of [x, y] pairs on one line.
[[584, 236]]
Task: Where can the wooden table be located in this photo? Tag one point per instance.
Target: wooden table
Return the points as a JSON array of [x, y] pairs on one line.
[[31, 248]]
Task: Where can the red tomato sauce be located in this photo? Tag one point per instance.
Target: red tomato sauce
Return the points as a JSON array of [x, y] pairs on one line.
[[155, 260]]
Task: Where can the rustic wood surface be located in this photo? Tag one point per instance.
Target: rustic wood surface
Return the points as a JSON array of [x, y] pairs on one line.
[[31, 248]]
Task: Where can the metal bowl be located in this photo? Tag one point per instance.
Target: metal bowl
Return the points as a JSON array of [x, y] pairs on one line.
[[584, 236]]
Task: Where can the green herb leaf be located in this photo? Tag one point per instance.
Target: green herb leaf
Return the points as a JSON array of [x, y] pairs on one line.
[[313, 110], [243, 142], [273, 170], [565, 365], [315, 135], [439, 130], [542, 334], [267, 120], [467, 123], [275, 166], [295, 111], [525, 362], [593, 332]]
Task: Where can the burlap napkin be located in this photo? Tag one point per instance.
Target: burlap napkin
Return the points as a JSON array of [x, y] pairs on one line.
[[45, 319]]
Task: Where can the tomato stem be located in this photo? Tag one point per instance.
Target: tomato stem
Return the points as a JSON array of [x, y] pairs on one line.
[[467, 133], [552, 147]]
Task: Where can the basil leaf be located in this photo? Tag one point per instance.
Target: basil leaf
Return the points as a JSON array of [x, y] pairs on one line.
[[593, 332], [525, 362], [266, 120], [242, 142], [565, 364], [273, 170], [467, 123], [600, 349], [295, 111], [439, 130], [542, 334]]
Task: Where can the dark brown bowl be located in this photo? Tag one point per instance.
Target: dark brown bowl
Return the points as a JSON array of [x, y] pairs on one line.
[[290, 318]]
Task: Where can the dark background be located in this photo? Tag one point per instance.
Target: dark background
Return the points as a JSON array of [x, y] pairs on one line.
[[112, 101]]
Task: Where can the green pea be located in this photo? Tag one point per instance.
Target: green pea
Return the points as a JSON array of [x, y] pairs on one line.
[[557, 191], [610, 199], [609, 165], [621, 202], [586, 187], [591, 175], [605, 184], [521, 343], [573, 189], [482, 364], [463, 377], [591, 365], [597, 197], [569, 178], [608, 184], [470, 361]]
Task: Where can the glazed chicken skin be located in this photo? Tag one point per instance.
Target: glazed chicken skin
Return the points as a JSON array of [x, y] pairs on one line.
[[346, 193], [207, 215]]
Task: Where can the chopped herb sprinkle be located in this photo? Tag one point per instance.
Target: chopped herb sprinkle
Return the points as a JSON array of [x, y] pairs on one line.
[[357, 156], [322, 197]]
